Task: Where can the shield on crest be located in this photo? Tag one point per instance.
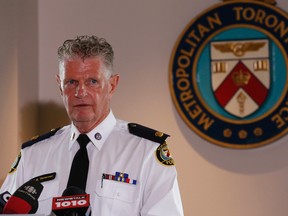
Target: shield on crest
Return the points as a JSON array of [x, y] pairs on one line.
[[240, 73]]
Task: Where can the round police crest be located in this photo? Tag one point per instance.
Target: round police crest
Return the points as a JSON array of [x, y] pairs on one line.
[[229, 74], [15, 164], [163, 155]]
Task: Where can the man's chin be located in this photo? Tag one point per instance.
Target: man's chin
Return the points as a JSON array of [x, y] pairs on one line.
[[82, 118]]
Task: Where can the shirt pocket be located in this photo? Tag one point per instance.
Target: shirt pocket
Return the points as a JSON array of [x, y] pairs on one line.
[[117, 198], [50, 190]]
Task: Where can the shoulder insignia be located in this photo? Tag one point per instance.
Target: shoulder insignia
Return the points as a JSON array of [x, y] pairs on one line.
[[36, 139], [147, 133], [15, 164], [163, 155]]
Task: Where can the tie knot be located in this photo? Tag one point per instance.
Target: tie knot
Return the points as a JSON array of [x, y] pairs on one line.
[[83, 140]]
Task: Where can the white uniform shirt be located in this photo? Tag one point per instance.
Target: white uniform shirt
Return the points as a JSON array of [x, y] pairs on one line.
[[112, 149]]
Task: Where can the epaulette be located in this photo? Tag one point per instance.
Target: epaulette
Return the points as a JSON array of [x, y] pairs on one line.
[[147, 133], [36, 139]]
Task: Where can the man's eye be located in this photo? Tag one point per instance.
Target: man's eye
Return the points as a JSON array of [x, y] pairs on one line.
[[70, 83], [93, 81]]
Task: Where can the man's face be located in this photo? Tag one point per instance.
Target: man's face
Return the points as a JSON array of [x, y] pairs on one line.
[[86, 92]]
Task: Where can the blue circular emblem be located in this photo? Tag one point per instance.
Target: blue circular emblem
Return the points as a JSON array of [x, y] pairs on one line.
[[229, 74]]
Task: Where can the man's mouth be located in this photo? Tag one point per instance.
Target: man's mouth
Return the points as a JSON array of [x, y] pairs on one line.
[[81, 105]]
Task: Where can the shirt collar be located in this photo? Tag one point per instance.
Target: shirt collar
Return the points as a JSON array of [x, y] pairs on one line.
[[98, 135]]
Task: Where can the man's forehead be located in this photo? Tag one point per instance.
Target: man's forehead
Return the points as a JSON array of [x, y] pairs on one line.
[[83, 61], [75, 65]]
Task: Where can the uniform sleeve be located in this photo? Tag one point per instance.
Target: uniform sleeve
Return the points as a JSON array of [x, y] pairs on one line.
[[14, 178], [161, 192]]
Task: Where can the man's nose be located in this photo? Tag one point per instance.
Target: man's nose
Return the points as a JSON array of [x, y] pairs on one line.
[[81, 90]]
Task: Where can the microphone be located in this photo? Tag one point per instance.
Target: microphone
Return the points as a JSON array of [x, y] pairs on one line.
[[25, 199], [73, 202], [3, 200]]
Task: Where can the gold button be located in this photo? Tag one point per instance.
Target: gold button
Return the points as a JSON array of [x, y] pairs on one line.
[[159, 134]]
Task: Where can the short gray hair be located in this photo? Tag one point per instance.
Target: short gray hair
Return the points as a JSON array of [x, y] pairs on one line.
[[86, 47]]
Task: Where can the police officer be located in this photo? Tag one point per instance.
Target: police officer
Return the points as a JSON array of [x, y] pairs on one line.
[[127, 168]]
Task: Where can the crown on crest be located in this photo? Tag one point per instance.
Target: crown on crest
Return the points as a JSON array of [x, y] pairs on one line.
[[241, 78]]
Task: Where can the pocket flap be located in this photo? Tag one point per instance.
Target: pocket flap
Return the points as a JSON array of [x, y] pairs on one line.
[[117, 190]]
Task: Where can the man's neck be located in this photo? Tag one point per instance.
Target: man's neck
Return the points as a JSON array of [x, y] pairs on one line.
[[86, 127]]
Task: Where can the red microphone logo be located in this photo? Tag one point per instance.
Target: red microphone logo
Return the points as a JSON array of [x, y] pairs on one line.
[[68, 202]]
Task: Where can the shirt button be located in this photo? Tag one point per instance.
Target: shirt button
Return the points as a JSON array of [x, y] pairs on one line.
[[98, 136]]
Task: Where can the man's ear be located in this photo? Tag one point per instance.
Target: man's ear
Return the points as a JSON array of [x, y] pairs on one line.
[[58, 80], [114, 79]]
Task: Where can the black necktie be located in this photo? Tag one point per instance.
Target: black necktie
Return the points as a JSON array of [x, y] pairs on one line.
[[80, 164]]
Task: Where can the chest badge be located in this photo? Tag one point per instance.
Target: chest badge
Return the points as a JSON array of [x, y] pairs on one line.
[[120, 177]]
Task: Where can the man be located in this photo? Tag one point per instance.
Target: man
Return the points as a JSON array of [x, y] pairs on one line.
[[130, 171]]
